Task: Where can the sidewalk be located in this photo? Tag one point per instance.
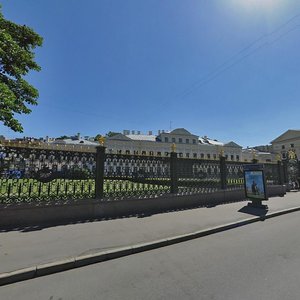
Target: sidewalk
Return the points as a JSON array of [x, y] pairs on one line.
[[33, 246]]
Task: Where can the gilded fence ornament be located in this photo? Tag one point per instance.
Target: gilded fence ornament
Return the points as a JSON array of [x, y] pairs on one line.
[[221, 152], [254, 155], [173, 147], [291, 154], [101, 140]]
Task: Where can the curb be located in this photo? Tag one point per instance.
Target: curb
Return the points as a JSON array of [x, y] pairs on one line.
[[84, 260]]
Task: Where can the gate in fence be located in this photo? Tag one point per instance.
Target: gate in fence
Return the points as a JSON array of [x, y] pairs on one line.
[[292, 169]]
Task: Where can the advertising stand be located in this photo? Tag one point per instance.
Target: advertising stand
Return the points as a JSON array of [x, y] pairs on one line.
[[255, 185]]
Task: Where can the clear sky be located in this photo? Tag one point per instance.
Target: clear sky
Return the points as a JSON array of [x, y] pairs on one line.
[[228, 69]]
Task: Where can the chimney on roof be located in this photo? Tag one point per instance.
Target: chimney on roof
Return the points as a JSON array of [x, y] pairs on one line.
[[150, 132], [132, 131], [163, 131], [138, 132], [158, 131]]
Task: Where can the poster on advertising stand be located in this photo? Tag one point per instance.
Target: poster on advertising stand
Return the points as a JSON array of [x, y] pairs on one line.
[[254, 182]]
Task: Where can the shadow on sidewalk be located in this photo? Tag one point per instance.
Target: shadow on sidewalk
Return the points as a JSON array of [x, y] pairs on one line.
[[38, 227], [259, 212]]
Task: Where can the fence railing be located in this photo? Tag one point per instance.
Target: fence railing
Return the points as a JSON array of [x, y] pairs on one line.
[[29, 174]]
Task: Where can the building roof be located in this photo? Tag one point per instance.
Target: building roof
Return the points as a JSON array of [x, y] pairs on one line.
[[216, 143], [141, 137], [180, 131], [233, 145], [288, 135], [119, 137], [253, 150], [75, 142]]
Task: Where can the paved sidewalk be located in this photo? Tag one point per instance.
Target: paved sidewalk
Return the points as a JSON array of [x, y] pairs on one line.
[[33, 246]]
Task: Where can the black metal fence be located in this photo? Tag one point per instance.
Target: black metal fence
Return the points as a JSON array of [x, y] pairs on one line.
[[132, 175], [33, 173]]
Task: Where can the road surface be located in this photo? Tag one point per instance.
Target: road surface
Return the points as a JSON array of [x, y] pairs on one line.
[[257, 261]]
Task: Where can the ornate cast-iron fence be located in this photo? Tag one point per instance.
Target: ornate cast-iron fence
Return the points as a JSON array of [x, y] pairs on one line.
[[33, 173], [234, 175], [28, 174], [133, 175], [291, 173], [197, 176], [273, 173]]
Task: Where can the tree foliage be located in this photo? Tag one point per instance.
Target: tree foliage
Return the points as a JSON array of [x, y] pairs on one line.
[[97, 137], [17, 43], [64, 137], [111, 133]]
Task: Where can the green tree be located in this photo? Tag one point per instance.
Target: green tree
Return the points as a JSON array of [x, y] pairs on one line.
[[63, 137], [111, 133], [16, 60], [97, 137]]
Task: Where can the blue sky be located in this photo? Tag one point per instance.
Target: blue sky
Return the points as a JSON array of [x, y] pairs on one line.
[[228, 69]]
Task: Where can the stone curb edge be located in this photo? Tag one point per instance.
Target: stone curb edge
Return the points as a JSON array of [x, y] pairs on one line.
[[84, 260]]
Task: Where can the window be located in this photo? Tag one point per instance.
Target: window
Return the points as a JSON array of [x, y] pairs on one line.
[[127, 152], [202, 155], [195, 155], [173, 140], [158, 153], [282, 147], [187, 141], [194, 141], [119, 151], [166, 153], [292, 145], [166, 140], [232, 157], [150, 152], [135, 152], [187, 155], [180, 154], [237, 157], [215, 156], [226, 156], [208, 156], [143, 152], [268, 160], [180, 140]]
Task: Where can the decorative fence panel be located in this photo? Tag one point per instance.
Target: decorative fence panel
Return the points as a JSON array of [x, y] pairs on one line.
[[272, 174], [28, 174], [132, 175], [197, 176], [234, 175]]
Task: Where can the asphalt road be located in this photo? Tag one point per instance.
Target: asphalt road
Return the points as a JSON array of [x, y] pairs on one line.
[[258, 261]]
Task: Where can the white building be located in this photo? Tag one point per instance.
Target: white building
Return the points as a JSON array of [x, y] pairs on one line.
[[187, 145], [288, 141], [249, 154]]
